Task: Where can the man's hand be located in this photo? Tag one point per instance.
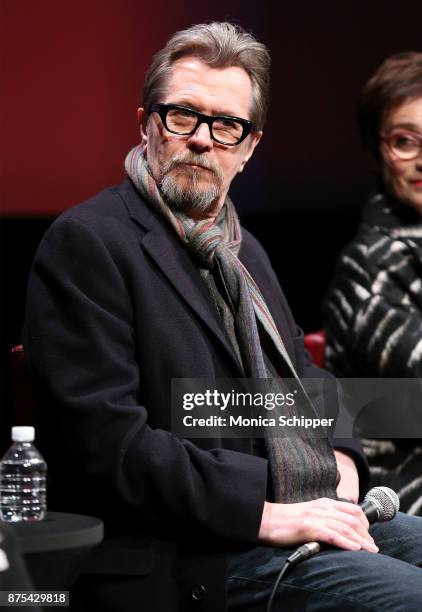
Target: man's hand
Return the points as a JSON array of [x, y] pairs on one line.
[[324, 520], [348, 487]]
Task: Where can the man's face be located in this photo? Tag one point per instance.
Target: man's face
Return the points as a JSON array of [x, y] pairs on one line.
[[196, 166], [403, 178]]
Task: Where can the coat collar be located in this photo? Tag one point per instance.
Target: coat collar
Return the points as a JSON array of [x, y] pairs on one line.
[[388, 215], [165, 248]]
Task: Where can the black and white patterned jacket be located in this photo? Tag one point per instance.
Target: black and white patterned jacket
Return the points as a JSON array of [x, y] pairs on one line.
[[373, 311]]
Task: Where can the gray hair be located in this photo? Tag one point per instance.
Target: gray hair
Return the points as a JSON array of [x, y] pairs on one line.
[[219, 45]]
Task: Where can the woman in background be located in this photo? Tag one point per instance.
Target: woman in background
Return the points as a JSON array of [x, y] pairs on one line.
[[373, 311]]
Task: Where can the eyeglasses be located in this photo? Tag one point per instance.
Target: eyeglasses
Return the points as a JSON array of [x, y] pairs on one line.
[[225, 129], [405, 145]]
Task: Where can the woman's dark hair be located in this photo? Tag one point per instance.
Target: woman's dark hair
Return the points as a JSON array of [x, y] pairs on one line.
[[399, 78]]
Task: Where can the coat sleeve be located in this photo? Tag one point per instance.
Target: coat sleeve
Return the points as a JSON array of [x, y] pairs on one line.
[[79, 338]]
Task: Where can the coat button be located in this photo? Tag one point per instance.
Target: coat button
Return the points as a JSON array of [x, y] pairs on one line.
[[198, 592]]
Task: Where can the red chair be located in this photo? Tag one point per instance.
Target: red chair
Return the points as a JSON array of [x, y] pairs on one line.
[[21, 387], [315, 344]]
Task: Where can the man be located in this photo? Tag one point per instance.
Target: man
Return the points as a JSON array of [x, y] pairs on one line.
[[154, 281]]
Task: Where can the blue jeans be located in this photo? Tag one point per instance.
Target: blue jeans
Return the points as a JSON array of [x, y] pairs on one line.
[[335, 579]]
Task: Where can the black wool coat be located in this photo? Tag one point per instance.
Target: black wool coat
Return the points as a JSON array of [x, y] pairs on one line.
[[116, 308]]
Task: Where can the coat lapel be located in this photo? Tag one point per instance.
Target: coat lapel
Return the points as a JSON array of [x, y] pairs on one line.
[[165, 248]]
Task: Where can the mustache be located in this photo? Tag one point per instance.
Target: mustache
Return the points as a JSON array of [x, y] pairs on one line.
[[192, 159]]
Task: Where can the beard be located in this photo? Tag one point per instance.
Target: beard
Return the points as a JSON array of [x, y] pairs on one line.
[[187, 187]]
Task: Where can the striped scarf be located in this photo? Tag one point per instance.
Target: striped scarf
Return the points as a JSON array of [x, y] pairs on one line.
[[301, 468]]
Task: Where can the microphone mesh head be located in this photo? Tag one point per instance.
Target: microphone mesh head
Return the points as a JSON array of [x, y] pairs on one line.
[[386, 501]]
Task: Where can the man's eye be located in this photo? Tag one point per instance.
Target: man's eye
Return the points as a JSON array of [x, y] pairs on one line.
[[181, 112], [179, 117], [226, 123]]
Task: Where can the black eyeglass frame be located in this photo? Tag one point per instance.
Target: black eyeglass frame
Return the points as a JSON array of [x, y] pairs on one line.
[[164, 109]]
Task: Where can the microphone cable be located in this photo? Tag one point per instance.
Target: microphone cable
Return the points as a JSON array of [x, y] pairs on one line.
[[302, 553], [380, 504], [285, 567]]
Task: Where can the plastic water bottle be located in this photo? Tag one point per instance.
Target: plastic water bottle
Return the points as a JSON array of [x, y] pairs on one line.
[[23, 479]]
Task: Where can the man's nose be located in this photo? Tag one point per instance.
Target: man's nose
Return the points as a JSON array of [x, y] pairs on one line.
[[201, 139]]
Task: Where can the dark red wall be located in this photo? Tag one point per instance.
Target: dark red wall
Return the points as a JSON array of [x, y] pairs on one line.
[[73, 73]]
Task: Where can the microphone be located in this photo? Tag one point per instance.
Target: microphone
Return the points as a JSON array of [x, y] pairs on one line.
[[380, 504]]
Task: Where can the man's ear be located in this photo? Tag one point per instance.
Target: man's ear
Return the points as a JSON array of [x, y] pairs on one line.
[[142, 122], [254, 139]]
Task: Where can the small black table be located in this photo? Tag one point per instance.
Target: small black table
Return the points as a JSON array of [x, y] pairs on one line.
[[55, 547]]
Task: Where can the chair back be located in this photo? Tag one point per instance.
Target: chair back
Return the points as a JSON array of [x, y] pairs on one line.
[[315, 344]]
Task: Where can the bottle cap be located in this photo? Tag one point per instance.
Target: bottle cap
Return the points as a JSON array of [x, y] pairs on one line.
[[23, 433]]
